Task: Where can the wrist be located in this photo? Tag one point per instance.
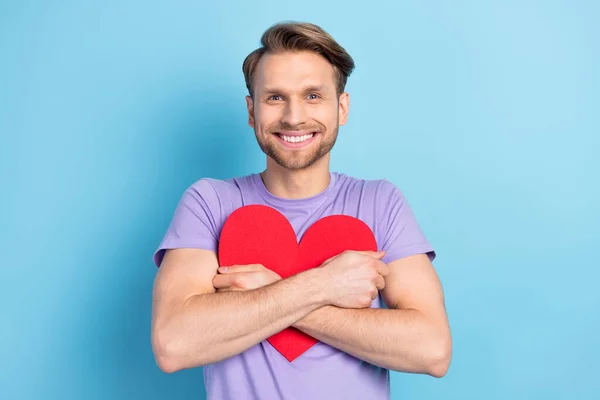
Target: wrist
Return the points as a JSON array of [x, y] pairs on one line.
[[317, 282]]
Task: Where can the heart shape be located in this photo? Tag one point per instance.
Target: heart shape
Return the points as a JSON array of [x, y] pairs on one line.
[[259, 234]]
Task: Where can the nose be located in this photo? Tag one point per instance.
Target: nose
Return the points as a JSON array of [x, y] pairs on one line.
[[293, 114]]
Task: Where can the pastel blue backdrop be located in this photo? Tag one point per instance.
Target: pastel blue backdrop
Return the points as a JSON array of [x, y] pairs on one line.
[[486, 115]]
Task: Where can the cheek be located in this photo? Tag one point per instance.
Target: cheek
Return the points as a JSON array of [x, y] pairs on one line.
[[326, 115], [266, 118]]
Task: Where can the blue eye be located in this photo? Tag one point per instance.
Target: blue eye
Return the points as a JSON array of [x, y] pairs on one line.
[[313, 96]]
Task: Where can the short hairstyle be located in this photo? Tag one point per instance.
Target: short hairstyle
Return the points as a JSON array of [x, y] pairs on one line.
[[296, 37]]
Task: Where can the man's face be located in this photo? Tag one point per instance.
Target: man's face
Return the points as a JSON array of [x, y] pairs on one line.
[[296, 111]]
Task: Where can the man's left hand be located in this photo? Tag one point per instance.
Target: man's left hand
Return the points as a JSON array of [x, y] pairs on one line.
[[243, 277]]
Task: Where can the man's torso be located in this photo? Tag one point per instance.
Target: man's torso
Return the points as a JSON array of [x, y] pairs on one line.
[[322, 372]]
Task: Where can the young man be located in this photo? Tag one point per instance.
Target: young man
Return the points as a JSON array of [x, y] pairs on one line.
[[204, 315]]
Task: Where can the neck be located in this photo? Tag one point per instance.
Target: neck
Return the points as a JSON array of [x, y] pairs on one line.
[[296, 184]]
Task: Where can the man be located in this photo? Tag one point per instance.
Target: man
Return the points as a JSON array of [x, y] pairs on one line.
[[204, 315]]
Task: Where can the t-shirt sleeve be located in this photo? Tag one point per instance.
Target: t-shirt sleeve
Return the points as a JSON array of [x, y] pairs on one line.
[[193, 224], [402, 236]]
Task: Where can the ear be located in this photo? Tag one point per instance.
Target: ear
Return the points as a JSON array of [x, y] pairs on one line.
[[250, 106], [344, 108]]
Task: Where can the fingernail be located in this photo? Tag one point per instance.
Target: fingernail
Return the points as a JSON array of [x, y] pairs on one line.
[[223, 269]]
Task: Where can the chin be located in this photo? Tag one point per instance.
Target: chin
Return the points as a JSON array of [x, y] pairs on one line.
[[296, 159], [295, 164]]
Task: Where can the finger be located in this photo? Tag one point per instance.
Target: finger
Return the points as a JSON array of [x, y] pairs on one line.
[[370, 253], [374, 294], [380, 282], [240, 280], [230, 289], [234, 269], [383, 269], [376, 254], [223, 281]]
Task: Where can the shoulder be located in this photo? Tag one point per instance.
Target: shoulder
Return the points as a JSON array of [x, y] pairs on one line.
[[218, 189], [381, 190]]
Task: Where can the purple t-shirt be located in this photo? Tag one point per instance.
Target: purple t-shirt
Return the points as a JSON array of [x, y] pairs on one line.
[[322, 372]]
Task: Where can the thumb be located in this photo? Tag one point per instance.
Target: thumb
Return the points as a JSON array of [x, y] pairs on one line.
[[377, 254]]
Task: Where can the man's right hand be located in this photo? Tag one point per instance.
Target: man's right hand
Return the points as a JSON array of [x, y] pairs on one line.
[[355, 278]]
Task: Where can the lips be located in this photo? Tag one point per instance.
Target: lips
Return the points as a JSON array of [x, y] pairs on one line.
[[296, 139], [296, 133]]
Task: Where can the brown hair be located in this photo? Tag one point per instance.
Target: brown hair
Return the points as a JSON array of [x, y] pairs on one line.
[[299, 36]]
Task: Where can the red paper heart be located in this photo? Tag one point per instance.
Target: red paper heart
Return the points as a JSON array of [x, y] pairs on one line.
[[258, 234]]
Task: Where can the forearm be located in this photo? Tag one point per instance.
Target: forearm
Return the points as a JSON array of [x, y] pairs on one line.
[[212, 327], [400, 340]]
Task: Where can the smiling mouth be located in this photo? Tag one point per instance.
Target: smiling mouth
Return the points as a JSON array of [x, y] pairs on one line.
[[296, 138]]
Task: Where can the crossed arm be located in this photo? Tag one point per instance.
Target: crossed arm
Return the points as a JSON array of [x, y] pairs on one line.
[[412, 335], [189, 328]]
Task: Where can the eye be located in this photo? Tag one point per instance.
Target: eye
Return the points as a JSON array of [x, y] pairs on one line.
[[313, 96], [274, 97]]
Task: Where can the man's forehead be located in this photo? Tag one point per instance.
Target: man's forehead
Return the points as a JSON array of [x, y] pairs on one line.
[[294, 70]]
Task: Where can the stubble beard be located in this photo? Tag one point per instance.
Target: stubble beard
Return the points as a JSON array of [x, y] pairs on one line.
[[301, 158]]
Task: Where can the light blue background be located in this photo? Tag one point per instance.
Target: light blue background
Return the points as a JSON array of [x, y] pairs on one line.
[[486, 114]]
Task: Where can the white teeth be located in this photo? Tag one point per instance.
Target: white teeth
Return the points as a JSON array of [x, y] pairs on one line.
[[296, 139]]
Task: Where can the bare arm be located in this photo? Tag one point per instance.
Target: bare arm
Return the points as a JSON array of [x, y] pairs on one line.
[[412, 336], [192, 325]]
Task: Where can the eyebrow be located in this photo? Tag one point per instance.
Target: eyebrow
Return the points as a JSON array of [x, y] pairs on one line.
[[311, 88]]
